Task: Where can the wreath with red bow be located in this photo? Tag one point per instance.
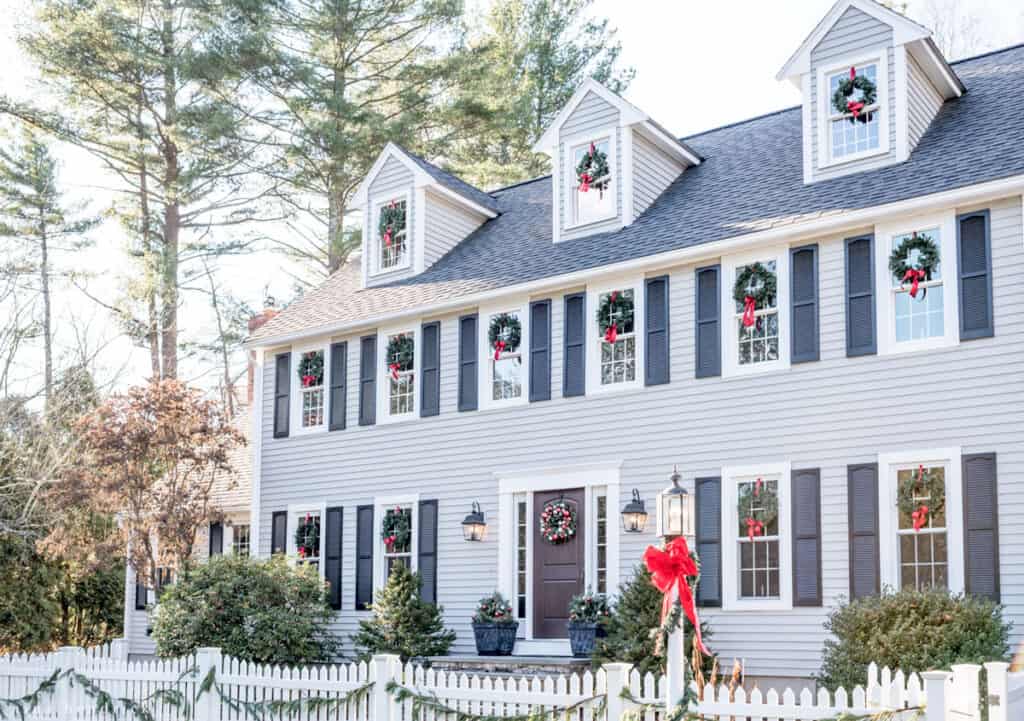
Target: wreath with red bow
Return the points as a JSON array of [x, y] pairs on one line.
[[593, 172], [392, 222], [755, 287], [921, 494], [844, 102], [927, 261], [615, 314], [558, 522], [400, 354], [311, 369], [757, 506], [307, 537], [504, 334], [396, 528]]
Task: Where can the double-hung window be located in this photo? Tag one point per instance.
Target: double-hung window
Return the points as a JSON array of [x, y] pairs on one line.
[[309, 368], [306, 542], [755, 293], [398, 371], [397, 526], [503, 347], [858, 126], [615, 345], [240, 539], [923, 554], [591, 179], [390, 233]]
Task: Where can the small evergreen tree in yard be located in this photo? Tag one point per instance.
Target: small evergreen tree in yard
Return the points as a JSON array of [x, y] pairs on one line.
[[403, 623], [264, 611], [632, 633], [911, 630]]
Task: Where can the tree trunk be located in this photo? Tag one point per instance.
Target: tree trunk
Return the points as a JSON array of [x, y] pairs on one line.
[[44, 278], [335, 231], [172, 207]]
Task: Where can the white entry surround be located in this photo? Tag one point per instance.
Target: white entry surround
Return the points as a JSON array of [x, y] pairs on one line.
[[595, 479]]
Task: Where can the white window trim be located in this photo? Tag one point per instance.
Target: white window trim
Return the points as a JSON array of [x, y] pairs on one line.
[[572, 142], [730, 342], [594, 337], [878, 56], [384, 377], [373, 245], [486, 353], [295, 402], [295, 512], [888, 516], [886, 320], [381, 504], [594, 479], [230, 521], [731, 477]]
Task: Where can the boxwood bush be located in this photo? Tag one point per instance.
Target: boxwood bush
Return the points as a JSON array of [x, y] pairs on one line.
[[911, 630]]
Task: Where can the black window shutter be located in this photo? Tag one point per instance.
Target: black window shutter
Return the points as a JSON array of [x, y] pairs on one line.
[[427, 551], [368, 380], [657, 363], [981, 525], [279, 532], [467, 363], [708, 335], [862, 505], [806, 493], [216, 539], [974, 253], [574, 378], [282, 390], [339, 385], [540, 350], [332, 555], [141, 595], [803, 269], [364, 557], [430, 369], [860, 296], [708, 502]]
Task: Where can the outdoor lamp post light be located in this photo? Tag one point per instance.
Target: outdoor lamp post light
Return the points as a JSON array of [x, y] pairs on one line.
[[675, 510], [474, 526], [634, 515]]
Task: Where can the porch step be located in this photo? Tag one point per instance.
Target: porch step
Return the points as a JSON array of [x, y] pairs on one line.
[[512, 665]]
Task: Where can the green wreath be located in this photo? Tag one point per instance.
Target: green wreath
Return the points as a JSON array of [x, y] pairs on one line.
[[921, 484], [757, 282], [592, 171], [392, 221], [396, 528], [311, 369], [558, 522], [842, 103], [927, 259], [307, 537], [505, 329], [400, 353], [615, 310], [757, 521]]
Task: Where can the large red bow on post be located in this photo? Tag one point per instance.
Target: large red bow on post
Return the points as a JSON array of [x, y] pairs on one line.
[[669, 569], [915, 275], [499, 348], [749, 307]]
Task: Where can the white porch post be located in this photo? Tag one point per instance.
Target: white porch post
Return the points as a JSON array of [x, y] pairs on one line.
[[675, 663]]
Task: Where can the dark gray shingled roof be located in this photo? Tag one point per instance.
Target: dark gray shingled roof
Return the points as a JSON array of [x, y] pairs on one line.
[[453, 183], [751, 180]]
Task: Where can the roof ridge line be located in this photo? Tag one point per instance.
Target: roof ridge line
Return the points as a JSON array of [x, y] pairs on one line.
[[996, 51], [741, 122], [516, 185]]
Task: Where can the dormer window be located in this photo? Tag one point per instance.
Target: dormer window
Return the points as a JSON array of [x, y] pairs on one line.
[[392, 241], [591, 179], [853, 106]]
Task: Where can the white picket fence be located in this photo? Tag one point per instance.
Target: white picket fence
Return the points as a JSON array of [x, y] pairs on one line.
[[360, 692]]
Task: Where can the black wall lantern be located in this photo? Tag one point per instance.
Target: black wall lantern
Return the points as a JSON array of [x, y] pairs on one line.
[[474, 526], [634, 515]]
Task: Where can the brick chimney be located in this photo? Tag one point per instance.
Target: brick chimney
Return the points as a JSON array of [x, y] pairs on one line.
[[256, 322]]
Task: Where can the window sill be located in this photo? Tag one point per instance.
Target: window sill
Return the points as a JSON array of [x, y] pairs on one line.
[[586, 224], [755, 369], [894, 347], [390, 271], [852, 158], [503, 404], [387, 419]]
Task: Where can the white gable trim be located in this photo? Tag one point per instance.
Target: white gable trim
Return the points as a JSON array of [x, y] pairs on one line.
[[666, 142], [904, 30], [628, 113]]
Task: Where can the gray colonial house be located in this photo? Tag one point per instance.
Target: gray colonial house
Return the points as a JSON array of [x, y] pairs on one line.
[[816, 316]]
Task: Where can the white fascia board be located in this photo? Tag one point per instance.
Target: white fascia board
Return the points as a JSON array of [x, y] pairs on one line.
[[628, 113], [979, 193], [436, 187], [667, 143], [938, 70], [362, 196], [904, 30]]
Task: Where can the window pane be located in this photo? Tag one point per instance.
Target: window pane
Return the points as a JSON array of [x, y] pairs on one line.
[[507, 379], [595, 203], [853, 136], [392, 240]]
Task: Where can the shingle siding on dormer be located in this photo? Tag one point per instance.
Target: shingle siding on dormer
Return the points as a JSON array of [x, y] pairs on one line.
[[446, 225], [592, 115], [923, 102], [653, 171], [854, 32]]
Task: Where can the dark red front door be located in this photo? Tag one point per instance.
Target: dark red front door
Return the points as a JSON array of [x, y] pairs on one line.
[[557, 568]]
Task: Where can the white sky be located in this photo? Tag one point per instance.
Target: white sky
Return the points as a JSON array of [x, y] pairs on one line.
[[699, 65]]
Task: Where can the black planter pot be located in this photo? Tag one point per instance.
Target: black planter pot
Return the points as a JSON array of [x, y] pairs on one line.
[[495, 639], [582, 636]]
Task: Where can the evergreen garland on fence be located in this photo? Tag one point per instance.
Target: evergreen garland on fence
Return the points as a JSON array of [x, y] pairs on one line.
[[429, 702]]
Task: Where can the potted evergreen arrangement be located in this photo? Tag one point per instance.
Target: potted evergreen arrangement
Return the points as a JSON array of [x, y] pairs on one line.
[[588, 614], [494, 626]]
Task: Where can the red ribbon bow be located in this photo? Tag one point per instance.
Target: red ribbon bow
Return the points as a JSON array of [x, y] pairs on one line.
[[669, 570], [915, 275], [387, 236], [749, 307], [920, 518], [854, 106], [612, 334], [499, 348], [757, 487], [394, 370], [754, 528], [308, 380], [585, 182]]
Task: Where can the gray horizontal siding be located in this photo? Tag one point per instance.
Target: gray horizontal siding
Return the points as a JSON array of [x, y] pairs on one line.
[[853, 32], [593, 114], [394, 179], [923, 102], [826, 415], [446, 225], [653, 171]]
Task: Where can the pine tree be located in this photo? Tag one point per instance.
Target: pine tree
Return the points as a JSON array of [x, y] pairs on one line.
[[402, 622], [632, 633]]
